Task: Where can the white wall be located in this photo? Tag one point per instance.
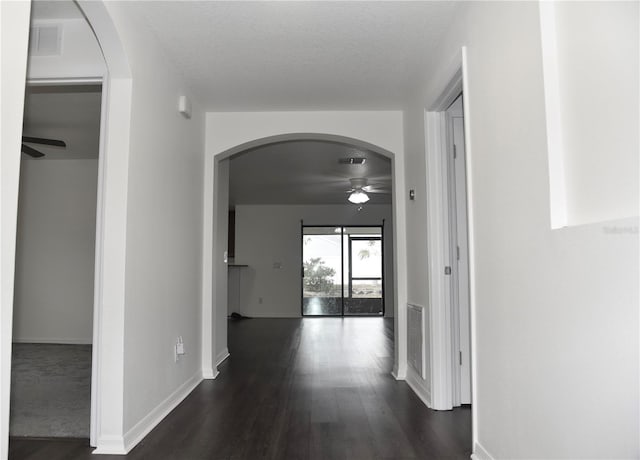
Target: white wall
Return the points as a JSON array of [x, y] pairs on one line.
[[55, 251], [14, 34], [556, 311], [268, 234], [227, 130], [598, 84], [163, 234]]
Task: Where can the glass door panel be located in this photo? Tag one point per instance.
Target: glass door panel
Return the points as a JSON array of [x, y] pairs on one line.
[[342, 271], [322, 271], [365, 276]]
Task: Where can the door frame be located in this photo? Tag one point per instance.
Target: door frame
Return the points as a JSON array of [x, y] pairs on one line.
[[459, 256], [440, 318], [99, 243]]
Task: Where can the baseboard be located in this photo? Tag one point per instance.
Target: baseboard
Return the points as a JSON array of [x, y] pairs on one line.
[[480, 453], [151, 420], [55, 341], [209, 374], [399, 372], [110, 445], [416, 383], [224, 354]]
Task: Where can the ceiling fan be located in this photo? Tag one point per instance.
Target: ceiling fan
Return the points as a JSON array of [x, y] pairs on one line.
[[359, 190], [39, 140]]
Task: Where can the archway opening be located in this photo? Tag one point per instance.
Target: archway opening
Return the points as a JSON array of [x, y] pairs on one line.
[[270, 188]]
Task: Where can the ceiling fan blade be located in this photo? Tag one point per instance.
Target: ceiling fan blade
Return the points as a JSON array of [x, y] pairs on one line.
[[43, 141], [32, 152]]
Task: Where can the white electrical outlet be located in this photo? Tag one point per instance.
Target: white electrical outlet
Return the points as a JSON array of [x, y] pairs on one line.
[[179, 349]]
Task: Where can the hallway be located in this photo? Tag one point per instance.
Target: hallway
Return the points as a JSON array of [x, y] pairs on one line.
[[316, 388]]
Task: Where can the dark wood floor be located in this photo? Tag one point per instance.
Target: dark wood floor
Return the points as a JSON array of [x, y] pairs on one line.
[[316, 388]]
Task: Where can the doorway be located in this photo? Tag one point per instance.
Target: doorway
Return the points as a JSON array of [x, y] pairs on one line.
[[458, 253], [342, 271], [55, 261]]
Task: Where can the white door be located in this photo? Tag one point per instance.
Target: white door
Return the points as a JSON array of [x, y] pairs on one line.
[[459, 254]]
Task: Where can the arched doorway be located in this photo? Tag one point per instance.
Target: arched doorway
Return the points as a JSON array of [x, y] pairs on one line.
[[215, 269]]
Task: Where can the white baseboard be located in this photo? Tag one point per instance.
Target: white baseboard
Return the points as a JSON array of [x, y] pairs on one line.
[[110, 445], [399, 372], [480, 453], [151, 420], [56, 341], [209, 373], [416, 383], [224, 354]]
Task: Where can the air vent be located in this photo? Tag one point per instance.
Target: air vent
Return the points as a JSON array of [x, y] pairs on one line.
[[352, 161], [46, 40], [415, 342]]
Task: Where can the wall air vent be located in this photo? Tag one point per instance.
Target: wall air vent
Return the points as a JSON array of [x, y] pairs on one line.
[[415, 345], [352, 161], [45, 40]]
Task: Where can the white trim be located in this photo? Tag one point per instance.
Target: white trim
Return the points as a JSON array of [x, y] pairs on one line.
[[66, 81], [208, 313], [210, 374], [54, 341], [438, 250], [110, 445], [224, 354], [98, 264], [471, 241], [151, 420], [417, 384], [480, 453]]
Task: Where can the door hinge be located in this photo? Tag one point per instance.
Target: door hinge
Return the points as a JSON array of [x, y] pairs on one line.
[[460, 354], [447, 270], [455, 151], [458, 252]]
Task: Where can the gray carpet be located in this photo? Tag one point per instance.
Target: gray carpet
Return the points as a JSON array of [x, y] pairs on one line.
[[50, 390]]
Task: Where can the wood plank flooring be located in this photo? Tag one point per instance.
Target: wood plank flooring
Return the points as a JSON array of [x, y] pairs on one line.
[[315, 388]]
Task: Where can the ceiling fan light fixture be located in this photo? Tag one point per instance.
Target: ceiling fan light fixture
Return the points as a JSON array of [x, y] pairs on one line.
[[358, 197]]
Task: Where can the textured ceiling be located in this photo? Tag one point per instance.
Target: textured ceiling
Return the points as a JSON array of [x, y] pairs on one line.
[[275, 55], [56, 9], [298, 55], [305, 172], [67, 113]]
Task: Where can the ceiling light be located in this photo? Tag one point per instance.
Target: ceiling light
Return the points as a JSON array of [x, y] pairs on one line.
[[358, 197]]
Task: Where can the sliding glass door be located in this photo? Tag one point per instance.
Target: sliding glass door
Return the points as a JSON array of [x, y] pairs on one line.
[[342, 271], [321, 271]]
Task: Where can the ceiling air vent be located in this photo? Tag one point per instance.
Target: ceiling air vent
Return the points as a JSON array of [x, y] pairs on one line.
[[45, 40], [352, 161]]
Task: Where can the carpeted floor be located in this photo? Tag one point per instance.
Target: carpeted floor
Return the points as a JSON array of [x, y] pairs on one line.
[[50, 390]]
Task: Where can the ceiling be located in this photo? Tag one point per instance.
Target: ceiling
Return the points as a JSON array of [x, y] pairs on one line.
[[305, 172], [69, 113], [298, 55], [48, 9], [276, 55]]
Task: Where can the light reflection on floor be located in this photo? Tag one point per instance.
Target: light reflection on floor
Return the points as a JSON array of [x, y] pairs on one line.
[[332, 306]]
